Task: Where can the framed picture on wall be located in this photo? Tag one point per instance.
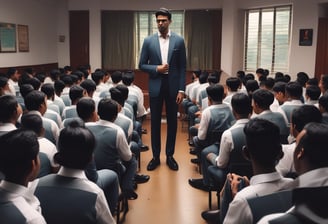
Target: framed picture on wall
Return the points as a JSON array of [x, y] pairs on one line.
[[7, 37], [23, 41], [306, 37]]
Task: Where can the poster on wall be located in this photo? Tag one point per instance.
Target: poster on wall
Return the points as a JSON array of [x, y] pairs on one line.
[[7, 37], [22, 32], [306, 37]]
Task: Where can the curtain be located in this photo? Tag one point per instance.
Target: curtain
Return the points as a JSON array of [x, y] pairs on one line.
[[117, 32], [199, 39]]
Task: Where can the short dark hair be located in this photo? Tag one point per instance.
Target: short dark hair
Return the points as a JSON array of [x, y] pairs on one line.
[[294, 89], [323, 101], [116, 76], [233, 83], [263, 98], [3, 81], [8, 105], [313, 92], [48, 89], [304, 115], [215, 92], [241, 104], [34, 100], [314, 143], [302, 78], [85, 107], [263, 141], [54, 74], [59, 86], [116, 95], [89, 85], [203, 77], [75, 146], [251, 86], [25, 89], [18, 149], [124, 90], [279, 87], [107, 109], [33, 122], [163, 12], [97, 76], [75, 92], [128, 78]]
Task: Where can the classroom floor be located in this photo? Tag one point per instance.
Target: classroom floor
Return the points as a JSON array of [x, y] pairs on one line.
[[168, 198]]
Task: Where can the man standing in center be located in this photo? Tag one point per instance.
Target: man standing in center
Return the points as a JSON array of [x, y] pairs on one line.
[[163, 57]]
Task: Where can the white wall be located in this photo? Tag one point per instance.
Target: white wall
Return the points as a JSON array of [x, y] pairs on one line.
[[41, 17]]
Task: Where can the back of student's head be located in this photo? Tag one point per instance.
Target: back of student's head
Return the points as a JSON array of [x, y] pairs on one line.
[[48, 89], [33, 122], [313, 92], [59, 86], [75, 146], [215, 92], [197, 72], [203, 77], [3, 81], [116, 77], [128, 78], [263, 142], [213, 78], [41, 76], [8, 105], [294, 90], [314, 144], [75, 92], [323, 101], [278, 77], [263, 98], [54, 74], [107, 109], [249, 76], [34, 82], [279, 87], [251, 86], [269, 83], [97, 76], [18, 149], [313, 81], [89, 85], [34, 100], [241, 104], [303, 115], [25, 89], [233, 83], [85, 108], [116, 95], [241, 76], [124, 90], [67, 79], [302, 78]]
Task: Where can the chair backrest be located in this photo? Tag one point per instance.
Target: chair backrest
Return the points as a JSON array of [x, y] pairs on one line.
[[45, 167], [277, 202]]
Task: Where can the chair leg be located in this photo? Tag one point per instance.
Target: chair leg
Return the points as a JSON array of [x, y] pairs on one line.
[[122, 207], [210, 200]]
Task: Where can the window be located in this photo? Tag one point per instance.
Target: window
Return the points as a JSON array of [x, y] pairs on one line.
[[145, 25], [267, 39]]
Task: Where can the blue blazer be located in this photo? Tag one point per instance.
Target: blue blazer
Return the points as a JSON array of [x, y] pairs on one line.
[[150, 57]]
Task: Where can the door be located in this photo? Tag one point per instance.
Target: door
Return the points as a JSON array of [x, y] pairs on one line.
[[79, 38]]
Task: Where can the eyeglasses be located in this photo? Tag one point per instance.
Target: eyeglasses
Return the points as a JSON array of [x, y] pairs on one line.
[[161, 20]]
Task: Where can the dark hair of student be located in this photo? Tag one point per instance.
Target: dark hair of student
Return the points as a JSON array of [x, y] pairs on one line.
[[107, 109], [75, 146]]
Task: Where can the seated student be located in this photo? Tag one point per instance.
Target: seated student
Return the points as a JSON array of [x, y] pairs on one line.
[[260, 134], [33, 122], [311, 164], [300, 117], [75, 93], [19, 161], [35, 102], [24, 89], [9, 113], [59, 86], [233, 84], [323, 107], [4, 86], [219, 154], [216, 117], [112, 150], [312, 94], [293, 94], [262, 99], [68, 196]]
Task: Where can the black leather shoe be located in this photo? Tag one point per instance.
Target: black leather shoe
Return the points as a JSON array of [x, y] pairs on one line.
[[144, 131], [130, 194], [140, 178], [193, 151], [173, 165], [198, 184], [154, 162], [212, 216], [195, 161], [144, 148]]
